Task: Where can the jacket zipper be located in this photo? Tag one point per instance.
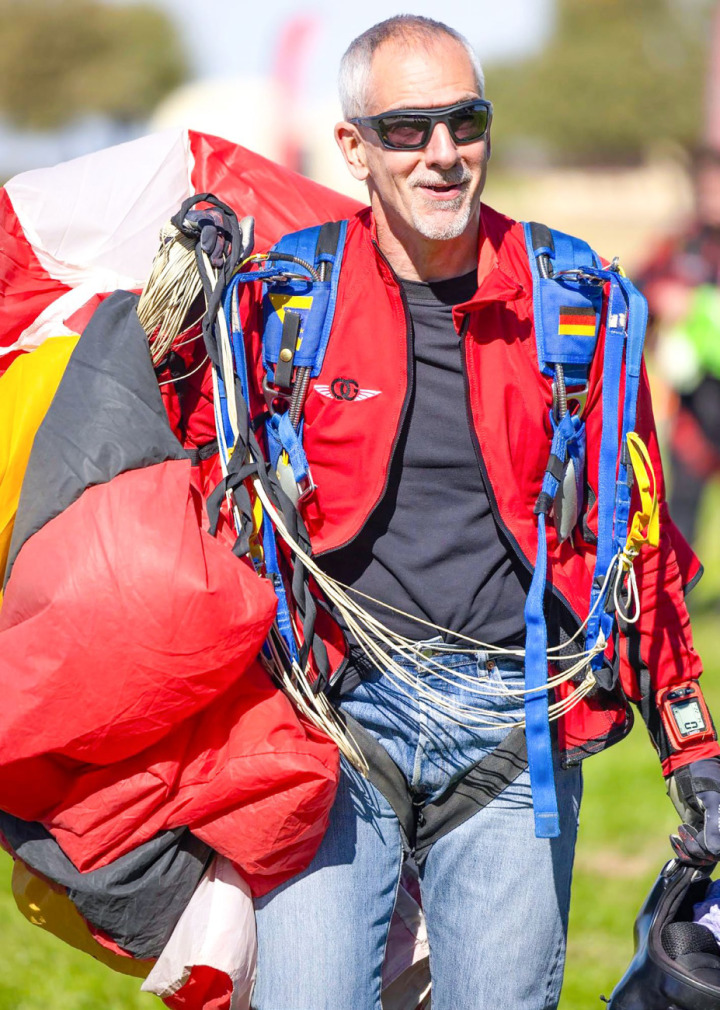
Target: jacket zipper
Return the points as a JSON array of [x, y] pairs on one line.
[[489, 491]]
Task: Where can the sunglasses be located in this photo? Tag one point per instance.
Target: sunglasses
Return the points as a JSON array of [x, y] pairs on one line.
[[411, 129]]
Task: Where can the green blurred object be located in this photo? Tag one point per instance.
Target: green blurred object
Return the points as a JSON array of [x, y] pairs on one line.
[[64, 59], [617, 78], [702, 328]]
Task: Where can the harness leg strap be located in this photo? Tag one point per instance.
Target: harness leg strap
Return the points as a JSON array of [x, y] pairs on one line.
[[385, 776], [479, 786], [421, 826]]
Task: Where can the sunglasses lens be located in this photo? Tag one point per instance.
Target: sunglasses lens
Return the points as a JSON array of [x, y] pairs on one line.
[[469, 124], [411, 131], [404, 131]]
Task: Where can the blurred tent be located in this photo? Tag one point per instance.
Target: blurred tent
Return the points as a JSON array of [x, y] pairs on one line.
[[243, 110], [269, 114]]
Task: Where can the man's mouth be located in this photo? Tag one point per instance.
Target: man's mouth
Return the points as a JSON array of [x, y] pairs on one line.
[[442, 190]]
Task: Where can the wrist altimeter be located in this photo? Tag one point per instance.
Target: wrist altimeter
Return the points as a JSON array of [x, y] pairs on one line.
[[684, 714]]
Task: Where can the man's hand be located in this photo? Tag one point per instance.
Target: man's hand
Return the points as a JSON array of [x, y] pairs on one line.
[[695, 791]]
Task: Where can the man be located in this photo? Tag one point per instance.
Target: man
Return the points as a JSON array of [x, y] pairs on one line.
[[424, 504]]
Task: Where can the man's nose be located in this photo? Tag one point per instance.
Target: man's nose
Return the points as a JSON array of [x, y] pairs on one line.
[[441, 149]]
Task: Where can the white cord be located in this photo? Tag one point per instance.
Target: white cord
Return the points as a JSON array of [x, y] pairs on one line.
[[626, 558]]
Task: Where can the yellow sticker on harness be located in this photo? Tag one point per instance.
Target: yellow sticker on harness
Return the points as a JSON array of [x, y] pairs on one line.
[[301, 303]]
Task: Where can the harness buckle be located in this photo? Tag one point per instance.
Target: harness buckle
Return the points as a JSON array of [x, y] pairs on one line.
[[580, 276], [578, 396], [306, 488], [273, 393]]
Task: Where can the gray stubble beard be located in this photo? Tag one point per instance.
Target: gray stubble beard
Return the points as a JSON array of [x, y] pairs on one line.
[[458, 211]]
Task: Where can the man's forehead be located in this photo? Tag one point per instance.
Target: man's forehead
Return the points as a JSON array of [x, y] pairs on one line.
[[420, 72]]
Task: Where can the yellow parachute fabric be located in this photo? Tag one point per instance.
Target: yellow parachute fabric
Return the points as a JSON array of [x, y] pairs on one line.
[[26, 391], [51, 909]]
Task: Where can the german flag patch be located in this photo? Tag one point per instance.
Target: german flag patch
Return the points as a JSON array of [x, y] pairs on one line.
[[577, 321]]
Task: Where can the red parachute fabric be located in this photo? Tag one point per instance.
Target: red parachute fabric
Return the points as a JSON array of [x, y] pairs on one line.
[[60, 250], [280, 200], [132, 701], [206, 988], [25, 286]]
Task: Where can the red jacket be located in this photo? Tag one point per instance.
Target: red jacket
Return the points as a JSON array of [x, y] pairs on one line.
[[349, 441]]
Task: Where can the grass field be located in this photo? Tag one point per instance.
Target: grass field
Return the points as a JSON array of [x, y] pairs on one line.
[[626, 819]]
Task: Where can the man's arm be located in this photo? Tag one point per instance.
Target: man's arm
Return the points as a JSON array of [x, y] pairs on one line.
[[659, 671], [657, 652]]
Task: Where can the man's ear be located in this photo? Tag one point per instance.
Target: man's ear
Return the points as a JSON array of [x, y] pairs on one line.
[[488, 144], [352, 146]]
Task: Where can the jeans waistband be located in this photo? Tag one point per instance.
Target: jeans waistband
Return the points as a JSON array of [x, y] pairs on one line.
[[436, 649]]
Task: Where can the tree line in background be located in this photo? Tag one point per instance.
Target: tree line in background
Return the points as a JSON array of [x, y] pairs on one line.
[[63, 59], [616, 78]]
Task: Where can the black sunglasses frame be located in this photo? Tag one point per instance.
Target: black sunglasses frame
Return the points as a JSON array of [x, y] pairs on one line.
[[434, 116]]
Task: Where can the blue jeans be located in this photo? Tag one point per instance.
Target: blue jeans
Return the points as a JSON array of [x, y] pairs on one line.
[[495, 897]]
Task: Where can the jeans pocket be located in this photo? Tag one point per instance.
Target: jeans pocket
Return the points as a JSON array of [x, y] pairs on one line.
[[505, 687]]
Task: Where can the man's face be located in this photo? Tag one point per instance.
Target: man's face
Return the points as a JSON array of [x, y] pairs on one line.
[[435, 191]]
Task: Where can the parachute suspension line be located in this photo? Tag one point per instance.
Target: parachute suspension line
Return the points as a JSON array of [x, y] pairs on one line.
[[172, 287], [226, 358], [180, 272], [632, 597], [315, 707], [476, 644], [185, 375], [370, 633]]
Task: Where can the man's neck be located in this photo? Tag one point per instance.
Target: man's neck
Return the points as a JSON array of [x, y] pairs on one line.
[[416, 258]]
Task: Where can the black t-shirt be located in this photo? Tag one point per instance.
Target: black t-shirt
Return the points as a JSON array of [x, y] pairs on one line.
[[432, 548]]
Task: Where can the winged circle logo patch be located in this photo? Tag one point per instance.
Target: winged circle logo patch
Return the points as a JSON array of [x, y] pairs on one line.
[[345, 389]]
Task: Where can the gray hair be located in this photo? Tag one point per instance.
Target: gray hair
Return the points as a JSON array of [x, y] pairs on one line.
[[354, 75]]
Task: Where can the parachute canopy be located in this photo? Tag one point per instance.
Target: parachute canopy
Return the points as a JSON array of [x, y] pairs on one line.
[[89, 226]]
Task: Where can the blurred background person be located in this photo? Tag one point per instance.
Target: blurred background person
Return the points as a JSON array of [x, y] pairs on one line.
[[682, 284]]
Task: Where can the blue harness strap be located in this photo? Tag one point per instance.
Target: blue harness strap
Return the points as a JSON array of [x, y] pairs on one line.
[[600, 620], [568, 285], [313, 300]]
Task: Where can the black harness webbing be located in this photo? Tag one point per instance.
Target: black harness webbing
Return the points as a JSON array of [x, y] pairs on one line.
[[202, 452], [422, 824]]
